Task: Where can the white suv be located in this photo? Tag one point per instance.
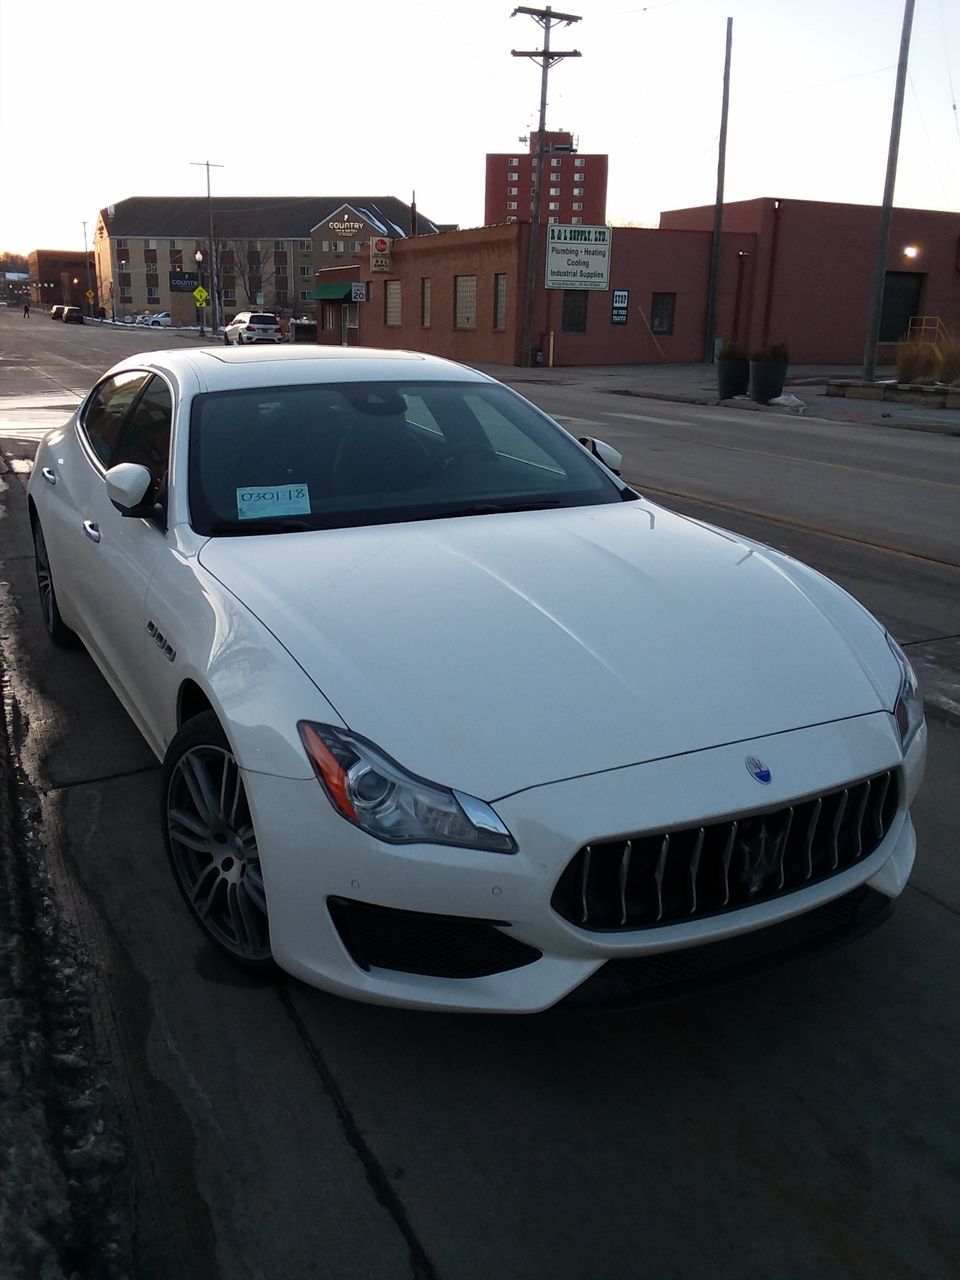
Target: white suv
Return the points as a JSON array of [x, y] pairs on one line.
[[253, 326]]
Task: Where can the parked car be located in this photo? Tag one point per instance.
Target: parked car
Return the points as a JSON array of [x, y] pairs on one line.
[[72, 315], [162, 320], [451, 716], [253, 326], [142, 318], [56, 311]]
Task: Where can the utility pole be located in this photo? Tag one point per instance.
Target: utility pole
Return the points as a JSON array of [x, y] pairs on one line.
[[710, 335], [547, 59], [883, 238], [214, 271], [86, 259]]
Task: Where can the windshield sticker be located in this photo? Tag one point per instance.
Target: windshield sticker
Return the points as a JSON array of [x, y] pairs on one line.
[[255, 502]]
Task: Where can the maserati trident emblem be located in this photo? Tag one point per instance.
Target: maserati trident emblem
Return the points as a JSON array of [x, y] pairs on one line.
[[761, 858], [757, 769]]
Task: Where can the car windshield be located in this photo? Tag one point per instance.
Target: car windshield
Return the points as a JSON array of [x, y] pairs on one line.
[[263, 319], [278, 459]]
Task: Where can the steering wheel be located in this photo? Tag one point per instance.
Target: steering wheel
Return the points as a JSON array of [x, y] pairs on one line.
[[440, 464]]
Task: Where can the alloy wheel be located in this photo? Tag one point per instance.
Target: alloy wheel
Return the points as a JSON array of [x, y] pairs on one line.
[[213, 850]]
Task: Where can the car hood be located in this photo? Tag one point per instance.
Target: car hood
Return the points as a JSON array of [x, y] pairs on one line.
[[497, 652]]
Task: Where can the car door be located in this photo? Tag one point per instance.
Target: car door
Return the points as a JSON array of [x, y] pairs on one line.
[[117, 554]]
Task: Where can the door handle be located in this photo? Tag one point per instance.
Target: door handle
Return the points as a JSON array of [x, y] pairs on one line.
[[91, 530], [48, 475]]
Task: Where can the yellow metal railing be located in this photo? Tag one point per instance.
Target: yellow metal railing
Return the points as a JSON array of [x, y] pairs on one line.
[[928, 329]]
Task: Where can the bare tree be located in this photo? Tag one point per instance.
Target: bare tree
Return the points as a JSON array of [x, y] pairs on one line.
[[248, 264]]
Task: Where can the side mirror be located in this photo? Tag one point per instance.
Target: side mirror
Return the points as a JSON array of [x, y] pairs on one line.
[[127, 486], [612, 460]]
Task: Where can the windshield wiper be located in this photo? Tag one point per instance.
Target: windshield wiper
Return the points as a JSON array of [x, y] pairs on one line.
[[239, 528], [491, 508]]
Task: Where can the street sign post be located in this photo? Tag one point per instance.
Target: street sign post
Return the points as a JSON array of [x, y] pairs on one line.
[[358, 291], [201, 295], [380, 253], [620, 306]]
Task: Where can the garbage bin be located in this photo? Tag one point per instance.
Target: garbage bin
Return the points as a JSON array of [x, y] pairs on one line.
[[303, 330]]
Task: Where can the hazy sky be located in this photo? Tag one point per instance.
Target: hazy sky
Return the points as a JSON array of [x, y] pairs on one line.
[[114, 99]]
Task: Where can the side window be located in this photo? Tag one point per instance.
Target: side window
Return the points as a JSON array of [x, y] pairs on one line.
[[106, 410], [145, 438]]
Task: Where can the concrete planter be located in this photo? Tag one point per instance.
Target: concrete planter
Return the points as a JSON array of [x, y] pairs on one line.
[[766, 379]]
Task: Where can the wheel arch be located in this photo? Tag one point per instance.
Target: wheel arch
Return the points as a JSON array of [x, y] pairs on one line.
[[192, 701]]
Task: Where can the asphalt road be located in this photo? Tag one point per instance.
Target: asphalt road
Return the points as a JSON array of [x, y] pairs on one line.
[[802, 1125]]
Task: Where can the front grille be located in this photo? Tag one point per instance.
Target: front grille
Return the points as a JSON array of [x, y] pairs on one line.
[[419, 942], [668, 877], [636, 981]]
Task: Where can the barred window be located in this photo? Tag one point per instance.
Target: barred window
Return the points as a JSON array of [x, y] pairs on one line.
[[662, 309], [574, 311], [391, 303], [425, 291], [500, 301], [464, 302]]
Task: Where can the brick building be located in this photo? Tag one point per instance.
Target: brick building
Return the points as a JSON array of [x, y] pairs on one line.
[[266, 249], [797, 271], [61, 275], [574, 186]]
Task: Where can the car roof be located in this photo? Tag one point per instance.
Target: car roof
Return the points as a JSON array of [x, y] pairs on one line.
[[233, 368]]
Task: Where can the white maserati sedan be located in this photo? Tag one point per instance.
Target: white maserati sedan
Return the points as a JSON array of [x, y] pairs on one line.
[[449, 715]]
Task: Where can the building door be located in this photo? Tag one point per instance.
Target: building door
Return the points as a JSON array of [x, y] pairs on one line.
[[901, 299]]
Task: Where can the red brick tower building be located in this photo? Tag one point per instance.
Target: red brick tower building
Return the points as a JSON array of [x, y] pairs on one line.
[[574, 186]]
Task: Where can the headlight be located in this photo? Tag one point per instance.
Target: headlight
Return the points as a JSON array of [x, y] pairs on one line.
[[374, 793], [908, 709]]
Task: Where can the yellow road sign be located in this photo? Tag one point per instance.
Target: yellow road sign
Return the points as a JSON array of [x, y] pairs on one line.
[[200, 294], [90, 295]]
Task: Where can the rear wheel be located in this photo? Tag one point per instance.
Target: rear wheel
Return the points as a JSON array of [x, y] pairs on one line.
[[211, 842], [56, 628]]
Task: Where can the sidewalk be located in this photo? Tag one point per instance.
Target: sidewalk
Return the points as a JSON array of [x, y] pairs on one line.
[[697, 384]]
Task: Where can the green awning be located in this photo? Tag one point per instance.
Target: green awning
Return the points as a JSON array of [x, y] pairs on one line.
[[326, 292]]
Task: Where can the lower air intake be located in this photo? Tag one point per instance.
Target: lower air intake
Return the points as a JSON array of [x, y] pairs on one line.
[[431, 945]]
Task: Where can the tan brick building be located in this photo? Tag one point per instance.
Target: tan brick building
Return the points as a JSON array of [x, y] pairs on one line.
[[265, 250]]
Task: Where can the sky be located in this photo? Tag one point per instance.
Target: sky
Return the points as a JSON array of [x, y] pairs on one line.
[[101, 102]]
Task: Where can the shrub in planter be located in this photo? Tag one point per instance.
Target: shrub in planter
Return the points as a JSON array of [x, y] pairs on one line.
[[768, 371], [917, 362], [733, 371]]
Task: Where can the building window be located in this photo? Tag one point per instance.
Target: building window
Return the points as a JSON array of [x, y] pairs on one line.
[[305, 271], [578, 164], [464, 302], [513, 177], [425, 299], [277, 244], [303, 246], [554, 204], [512, 217], [553, 219], [578, 191], [153, 294], [576, 221], [306, 295], [554, 191], [511, 191], [126, 297], [329, 317], [574, 311], [176, 259], [280, 297], [229, 295], [578, 204], [511, 204], [121, 244], [554, 161], [149, 244], [337, 246], [356, 246], [392, 304], [500, 301], [662, 308], [324, 246], [514, 160]]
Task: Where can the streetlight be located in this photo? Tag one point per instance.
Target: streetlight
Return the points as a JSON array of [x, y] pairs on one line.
[[198, 258]]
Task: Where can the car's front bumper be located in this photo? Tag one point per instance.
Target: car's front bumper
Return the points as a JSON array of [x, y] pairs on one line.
[[310, 856]]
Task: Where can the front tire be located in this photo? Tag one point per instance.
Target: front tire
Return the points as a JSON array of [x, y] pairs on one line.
[[58, 631], [211, 842]]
